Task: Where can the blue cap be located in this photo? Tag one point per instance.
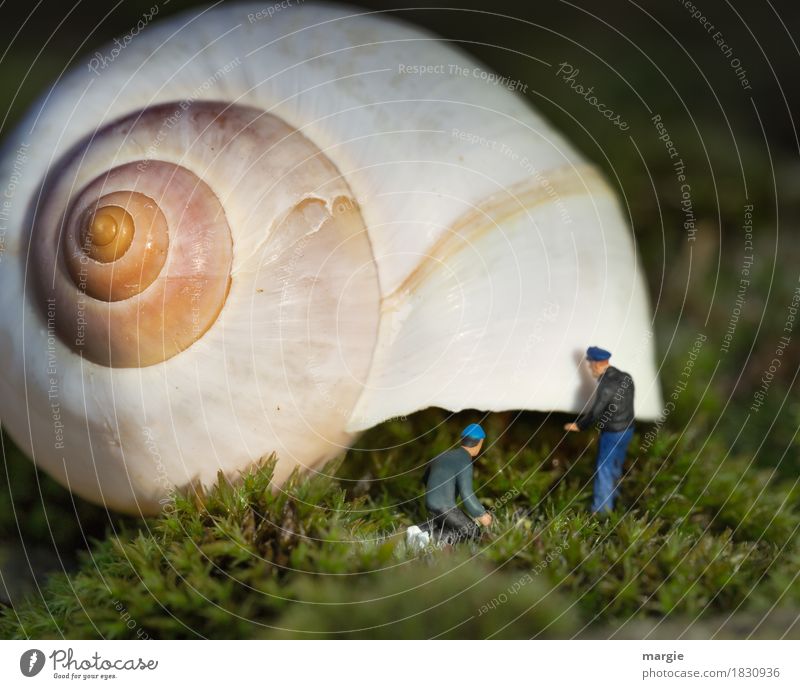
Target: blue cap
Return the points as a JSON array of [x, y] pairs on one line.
[[473, 431], [597, 354]]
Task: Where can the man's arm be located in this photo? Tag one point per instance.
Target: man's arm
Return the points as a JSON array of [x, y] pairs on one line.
[[603, 395], [464, 485]]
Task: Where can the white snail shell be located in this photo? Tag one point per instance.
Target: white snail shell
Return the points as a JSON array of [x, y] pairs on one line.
[[242, 237]]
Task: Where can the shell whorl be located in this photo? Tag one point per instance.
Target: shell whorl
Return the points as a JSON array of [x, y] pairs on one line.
[[138, 262], [147, 251], [213, 252]]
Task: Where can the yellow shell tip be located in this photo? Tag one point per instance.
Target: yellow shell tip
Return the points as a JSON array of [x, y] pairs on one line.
[[108, 233]]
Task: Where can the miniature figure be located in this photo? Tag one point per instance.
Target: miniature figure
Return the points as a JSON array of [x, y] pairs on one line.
[[612, 411], [448, 476]]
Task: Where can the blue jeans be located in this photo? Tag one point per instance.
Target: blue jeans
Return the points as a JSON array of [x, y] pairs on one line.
[[611, 452]]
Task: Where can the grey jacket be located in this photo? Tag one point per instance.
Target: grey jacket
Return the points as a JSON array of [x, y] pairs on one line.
[[449, 475]]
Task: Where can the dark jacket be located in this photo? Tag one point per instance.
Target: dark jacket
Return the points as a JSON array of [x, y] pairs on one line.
[[612, 406], [449, 475]]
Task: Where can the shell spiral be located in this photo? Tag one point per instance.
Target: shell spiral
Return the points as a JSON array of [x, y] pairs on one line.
[[137, 264], [264, 237], [142, 267]]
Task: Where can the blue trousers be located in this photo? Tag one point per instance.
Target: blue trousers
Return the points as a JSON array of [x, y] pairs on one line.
[[611, 452]]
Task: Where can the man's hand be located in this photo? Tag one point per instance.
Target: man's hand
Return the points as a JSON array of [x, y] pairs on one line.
[[571, 427], [485, 519]]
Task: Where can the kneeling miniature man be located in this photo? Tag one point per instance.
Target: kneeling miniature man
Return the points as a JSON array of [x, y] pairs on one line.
[[448, 476], [612, 411]]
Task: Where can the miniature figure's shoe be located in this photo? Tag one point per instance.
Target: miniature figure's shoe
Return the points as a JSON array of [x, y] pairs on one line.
[[416, 538]]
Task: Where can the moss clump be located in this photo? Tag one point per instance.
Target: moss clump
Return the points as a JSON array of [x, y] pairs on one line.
[[700, 536]]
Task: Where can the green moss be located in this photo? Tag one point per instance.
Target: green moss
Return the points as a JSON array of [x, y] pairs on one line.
[[701, 535]]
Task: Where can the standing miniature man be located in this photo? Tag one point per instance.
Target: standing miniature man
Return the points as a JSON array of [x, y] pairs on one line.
[[449, 475], [612, 411]]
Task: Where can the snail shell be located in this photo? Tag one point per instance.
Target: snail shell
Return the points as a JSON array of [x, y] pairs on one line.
[[243, 237]]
